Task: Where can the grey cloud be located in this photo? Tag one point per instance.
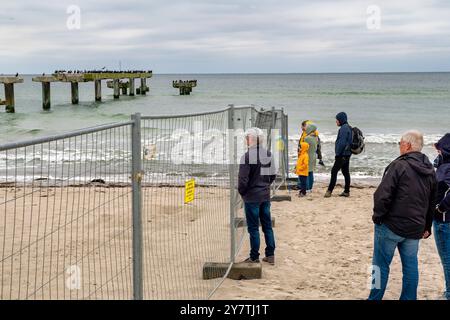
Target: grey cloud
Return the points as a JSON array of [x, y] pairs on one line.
[[219, 36]]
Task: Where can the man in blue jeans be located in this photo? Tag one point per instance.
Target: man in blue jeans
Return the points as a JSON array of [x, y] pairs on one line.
[[442, 215], [403, 214], [256, 174]]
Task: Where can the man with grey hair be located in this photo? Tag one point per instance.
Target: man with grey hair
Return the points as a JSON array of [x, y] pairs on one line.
[[256, 174], [403, 214]]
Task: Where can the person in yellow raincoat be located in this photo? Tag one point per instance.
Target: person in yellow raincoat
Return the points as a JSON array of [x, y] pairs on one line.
[[319, 145], [302, 168]]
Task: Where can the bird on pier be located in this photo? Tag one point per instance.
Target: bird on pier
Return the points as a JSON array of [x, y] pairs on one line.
[[17, 74], [43, 74]]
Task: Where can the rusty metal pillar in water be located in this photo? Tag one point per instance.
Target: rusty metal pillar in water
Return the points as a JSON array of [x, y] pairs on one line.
[[98, 90], [46, 95], [9, 98], [116, 88], [74, 91], [143, 86], [131, 82]]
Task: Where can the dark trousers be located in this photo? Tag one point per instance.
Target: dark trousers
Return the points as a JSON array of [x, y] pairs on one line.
[[254, 213], [302, 184], [340, 163]]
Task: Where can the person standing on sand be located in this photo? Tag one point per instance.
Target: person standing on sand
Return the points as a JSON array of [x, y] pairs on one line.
[[404, 205], [312, 140], [317, 147], [256, 174], [441, 224], [302, 168], [343, 153]]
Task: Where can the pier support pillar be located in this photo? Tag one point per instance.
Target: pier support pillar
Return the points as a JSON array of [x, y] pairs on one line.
[[46, 95], [75, 96], [124, 90], [116, 88], [9, 98], [143, 86], [131, 82], [98, 90]]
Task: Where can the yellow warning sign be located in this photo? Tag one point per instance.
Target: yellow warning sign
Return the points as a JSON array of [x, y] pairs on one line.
[[280, 145], [189, 191]]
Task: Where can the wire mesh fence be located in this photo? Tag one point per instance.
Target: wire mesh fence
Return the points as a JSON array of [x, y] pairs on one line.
[[65, 228], [129, 210]]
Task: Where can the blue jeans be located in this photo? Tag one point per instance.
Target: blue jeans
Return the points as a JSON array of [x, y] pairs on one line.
[[442, 237], [255, 212], [385, 243], [310, 181]]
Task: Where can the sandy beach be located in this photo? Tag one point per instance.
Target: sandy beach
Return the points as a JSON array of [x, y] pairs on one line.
[[324, 246], [324, 251], [50, 235]]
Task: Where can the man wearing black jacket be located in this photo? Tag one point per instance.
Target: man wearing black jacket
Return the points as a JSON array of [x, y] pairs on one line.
[[404, 204], [256, 174], [343, 153]]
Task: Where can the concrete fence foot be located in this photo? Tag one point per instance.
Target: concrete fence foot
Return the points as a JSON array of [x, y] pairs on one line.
[[239, 271], [279, 198]]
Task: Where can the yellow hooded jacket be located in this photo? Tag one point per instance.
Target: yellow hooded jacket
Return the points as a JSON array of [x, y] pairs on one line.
[[302, 167]]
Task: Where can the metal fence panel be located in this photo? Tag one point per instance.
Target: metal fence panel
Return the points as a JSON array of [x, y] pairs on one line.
[[102, 213], [179, 237], [65, 227]]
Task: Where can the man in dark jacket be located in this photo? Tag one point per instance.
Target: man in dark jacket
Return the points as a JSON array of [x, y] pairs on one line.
[[343, 153], [403, 214], [442, 214], [256, 174]]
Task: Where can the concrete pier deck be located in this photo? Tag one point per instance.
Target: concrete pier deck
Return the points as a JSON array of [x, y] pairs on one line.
[[74, 78]]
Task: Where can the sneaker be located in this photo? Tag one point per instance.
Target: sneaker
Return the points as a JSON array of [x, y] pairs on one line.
[[345, 194], [250, 260], [308, 191], [301, 195], [328, 194], [270, 260]]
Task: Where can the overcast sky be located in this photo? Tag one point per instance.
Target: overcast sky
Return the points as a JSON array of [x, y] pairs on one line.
[[200, 36]]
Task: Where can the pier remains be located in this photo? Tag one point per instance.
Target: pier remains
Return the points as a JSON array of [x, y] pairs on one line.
[[75, 77], [184, 86], [9, 82]]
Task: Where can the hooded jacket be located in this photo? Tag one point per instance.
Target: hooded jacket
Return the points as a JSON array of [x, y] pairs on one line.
[[312, 139], [302, 167], [344, 137], [405, 199], [256, 174], [443, 180]]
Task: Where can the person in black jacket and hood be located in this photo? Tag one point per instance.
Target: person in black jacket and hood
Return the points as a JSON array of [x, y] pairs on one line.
[[343, 153], [404, 204], [442, 214]]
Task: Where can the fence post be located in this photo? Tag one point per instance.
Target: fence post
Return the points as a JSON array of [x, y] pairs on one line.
[[271, 144], [286, 148], [232, 170], [136, 176]]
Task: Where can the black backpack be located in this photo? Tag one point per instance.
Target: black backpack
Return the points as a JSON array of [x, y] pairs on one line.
[[358, 144]]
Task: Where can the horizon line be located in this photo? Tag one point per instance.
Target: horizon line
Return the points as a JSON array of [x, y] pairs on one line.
[[267, 73]]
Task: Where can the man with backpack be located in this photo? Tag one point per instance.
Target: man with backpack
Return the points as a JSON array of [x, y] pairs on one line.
[[343, 150]]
